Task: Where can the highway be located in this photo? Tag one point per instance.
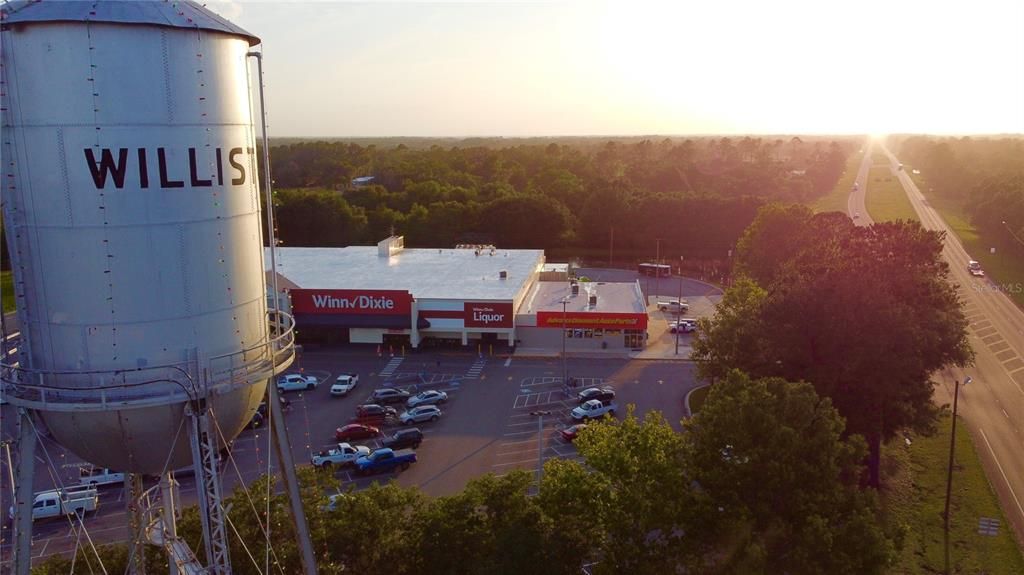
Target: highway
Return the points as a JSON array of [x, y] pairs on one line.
[[992, 406]]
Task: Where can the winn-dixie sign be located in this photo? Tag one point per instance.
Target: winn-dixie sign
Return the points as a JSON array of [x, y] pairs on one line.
[[592, 320], [487, 314], [343, 301]]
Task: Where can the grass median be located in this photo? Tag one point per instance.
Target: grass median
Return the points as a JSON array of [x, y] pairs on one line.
[[913, 498], [836, 200], [886, 200]]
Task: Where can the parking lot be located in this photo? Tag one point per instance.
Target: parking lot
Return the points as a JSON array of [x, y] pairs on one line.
[[486, 424]]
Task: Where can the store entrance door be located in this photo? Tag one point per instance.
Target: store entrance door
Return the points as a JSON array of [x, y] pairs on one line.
[[634, 340]]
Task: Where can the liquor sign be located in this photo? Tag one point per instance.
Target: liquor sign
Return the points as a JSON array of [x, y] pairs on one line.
[[487, 314], [575, 319], [341, 301]]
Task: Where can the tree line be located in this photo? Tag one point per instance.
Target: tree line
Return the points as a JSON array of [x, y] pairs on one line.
[[696, 195], [762, 480], [983, 176]]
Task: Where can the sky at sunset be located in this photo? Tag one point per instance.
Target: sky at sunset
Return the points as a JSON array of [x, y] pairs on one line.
[[631, 67]]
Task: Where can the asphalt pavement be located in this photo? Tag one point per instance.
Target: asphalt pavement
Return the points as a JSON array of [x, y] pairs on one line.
[[992, 406], [486, 426]]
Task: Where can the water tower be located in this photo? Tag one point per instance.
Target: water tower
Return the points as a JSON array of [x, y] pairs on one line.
[[132, 213]]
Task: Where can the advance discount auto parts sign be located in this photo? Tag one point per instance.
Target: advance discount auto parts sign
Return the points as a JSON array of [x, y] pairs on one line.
[[342, 301], [494, 314]]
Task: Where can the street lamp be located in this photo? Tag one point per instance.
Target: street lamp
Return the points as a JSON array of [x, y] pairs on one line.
[[657, 262], [679, 310], [949, 471], [1007, 226], [565, 326], [540, 443]]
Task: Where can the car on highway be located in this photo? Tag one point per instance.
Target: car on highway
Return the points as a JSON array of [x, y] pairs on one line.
[[374, 414], [594, 409], [404, 438], [572, 432], [975, 269], [344, 383], [389, 395], [429, 397], [296, 382], [601, 393], [355, 431], [420, 414], [683, 326]]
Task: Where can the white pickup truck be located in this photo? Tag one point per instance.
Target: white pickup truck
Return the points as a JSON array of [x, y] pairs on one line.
[[342, 455], [593, 409], [58, 502], [674, 306], [96, 476]]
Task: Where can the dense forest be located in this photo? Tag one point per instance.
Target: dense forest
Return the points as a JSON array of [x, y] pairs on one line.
[[591, 196], [984, 177]]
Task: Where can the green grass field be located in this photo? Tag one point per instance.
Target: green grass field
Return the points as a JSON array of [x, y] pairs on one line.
[[886, 200], [835, 201], [7, 287], [913, 497]]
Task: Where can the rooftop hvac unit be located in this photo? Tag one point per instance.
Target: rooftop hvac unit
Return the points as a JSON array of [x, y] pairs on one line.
[[575, 289], [503, 274], [593, 300]]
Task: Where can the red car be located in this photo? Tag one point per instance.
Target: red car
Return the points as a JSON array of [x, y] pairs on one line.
[[570, 433], [355, 431]]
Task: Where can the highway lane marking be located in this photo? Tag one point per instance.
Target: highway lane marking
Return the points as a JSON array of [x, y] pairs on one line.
[[1001, 472], [508, 362], [1004, 413]]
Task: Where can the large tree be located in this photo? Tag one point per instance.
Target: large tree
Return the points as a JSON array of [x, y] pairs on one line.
[[772, 456], [865, 314], [649, 517]]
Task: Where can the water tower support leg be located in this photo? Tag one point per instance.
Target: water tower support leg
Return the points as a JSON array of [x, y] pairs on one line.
[[136, 522], [23, 493], [211, 509], [283, 447]]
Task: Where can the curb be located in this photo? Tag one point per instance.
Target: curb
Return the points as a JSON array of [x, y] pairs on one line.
[[686, 400]]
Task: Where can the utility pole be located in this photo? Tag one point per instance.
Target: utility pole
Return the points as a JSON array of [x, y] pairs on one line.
[[657, 262], [949, 470], [611, 246], [565, 326], [679, 311]]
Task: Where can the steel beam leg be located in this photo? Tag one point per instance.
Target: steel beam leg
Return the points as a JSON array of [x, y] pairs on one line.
[[211, 509], [24, 493], [283, 447]]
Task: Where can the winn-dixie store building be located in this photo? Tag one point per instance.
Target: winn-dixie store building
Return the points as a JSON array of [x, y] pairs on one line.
[[390, 295]]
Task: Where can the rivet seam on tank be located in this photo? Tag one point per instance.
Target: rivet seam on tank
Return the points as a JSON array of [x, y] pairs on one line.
[[101, 198]]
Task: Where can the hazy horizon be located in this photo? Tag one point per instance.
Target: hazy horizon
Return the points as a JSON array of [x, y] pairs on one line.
[[624, 69]]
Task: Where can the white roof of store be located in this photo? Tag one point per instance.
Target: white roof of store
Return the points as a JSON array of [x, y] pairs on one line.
[[425, 273], [621, 297]]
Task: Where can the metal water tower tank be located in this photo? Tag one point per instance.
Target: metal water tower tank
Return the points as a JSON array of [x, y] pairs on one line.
[[132, 215]]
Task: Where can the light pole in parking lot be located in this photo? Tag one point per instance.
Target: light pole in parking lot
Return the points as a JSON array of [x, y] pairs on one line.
[[540, 443], [565, 326], [679, 310], [949, 472]]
